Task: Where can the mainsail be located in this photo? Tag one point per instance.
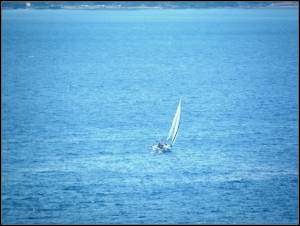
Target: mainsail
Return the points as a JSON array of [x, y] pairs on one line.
[[175, 124]]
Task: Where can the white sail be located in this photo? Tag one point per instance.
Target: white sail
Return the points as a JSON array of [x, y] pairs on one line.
[[171, 131], [175, 124]]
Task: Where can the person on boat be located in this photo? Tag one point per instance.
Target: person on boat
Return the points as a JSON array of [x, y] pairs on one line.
[[160, 145], [166, 145]]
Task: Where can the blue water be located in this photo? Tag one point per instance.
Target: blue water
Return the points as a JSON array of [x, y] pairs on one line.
[[85, 93]]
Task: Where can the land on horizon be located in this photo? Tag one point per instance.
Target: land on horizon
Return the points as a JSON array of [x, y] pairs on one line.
[[144, 5]]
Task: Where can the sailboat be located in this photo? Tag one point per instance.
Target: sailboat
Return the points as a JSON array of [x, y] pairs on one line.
[[170, 141]]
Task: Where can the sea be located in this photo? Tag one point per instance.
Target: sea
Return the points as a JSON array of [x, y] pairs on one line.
[[86, 93]]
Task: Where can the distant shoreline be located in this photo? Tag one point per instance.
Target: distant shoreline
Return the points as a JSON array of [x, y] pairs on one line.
[[149, 5], [163, 8]]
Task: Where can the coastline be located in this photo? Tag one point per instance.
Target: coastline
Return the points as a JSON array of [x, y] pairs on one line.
[[148, 5], [149, 8]]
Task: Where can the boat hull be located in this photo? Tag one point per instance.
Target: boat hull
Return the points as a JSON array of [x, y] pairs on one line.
[[164, 148]]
